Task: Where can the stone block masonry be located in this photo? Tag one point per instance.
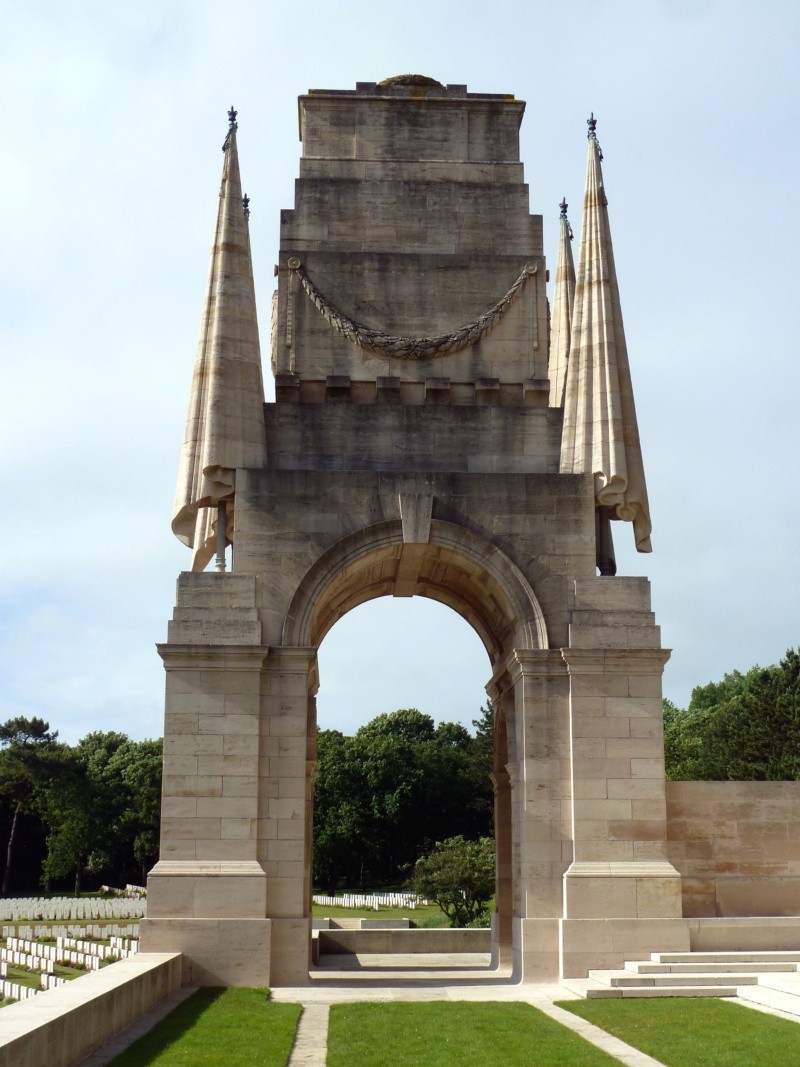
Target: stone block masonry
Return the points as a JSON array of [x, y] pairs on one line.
[[416, 448]]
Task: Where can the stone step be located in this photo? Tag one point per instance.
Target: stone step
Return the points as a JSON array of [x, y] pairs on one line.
[[648, 967], [627, 979], [767, 956], [340, 923], [590, 989], [782, 999]]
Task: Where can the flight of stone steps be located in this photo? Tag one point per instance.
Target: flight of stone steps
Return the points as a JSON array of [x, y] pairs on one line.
[[768, 978]]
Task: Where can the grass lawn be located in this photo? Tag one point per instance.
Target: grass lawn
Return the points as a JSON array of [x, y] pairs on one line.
[[234, 1027], [454, 1034], [419, 916], [695, 1033], [22, 976]]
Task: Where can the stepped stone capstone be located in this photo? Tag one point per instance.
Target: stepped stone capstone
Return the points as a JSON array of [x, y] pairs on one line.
[[601, 433], [563, 307], [225, 423]]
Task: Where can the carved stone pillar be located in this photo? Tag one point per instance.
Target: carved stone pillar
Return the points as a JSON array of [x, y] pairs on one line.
[[538, 771], [620, 890], [207, 894], [285, 826]]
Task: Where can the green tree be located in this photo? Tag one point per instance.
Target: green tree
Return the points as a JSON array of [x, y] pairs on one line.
[[408, 724], [744, 728], [28, 750], [137, 766], [459, 876], [384, 796], [341, 810], [103, 812], [483, 742]]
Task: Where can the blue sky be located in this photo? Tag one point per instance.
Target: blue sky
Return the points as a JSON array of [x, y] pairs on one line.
[[110, 168]]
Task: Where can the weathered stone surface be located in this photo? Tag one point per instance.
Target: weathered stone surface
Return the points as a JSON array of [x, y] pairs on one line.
[[736, 845], [438, 477]]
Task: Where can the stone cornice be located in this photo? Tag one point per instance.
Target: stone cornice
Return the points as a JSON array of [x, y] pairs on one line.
[[208, 869], [534, 663], [615, 660], [178, 657]]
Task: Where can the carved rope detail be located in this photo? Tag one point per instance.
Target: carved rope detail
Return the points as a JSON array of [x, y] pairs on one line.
[[411, 347]]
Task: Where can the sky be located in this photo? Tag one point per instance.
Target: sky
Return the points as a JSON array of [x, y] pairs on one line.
[[109, 173]]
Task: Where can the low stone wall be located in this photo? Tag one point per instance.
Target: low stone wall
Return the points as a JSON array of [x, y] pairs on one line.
[[737, 846], [61, 1027], [389, 942]]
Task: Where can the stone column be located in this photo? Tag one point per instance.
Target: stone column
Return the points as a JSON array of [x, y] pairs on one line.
[[207, 894], [286, 770], [538, 769], [621, 894]]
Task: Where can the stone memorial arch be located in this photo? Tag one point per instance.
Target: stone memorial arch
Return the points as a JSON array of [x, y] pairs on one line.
[[436, 432]]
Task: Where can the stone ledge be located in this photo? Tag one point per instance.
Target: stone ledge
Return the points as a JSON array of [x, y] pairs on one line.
[[208, 868], [63, 1026], [213, 952], [622, 869]]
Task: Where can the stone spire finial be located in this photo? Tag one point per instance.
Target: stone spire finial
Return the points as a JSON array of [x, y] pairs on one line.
[[600, 434], [225, 423], [591, 122], [564, 205], [563, 303], [232, 125]]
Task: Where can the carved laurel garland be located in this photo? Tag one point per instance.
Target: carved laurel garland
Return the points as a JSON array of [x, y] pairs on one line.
[[411, 347]]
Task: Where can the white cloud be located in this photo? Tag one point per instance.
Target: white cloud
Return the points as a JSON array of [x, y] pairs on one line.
[[110, 166]]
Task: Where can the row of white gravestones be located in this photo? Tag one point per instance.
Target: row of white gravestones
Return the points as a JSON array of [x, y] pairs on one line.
[[25, 959], [12, 991], [119, 948], [62, 909], [46, 980], [105, 930], [42, 957], [370, 900]]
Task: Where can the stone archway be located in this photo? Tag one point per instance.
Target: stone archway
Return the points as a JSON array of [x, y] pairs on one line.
[[454, 566], [413, 448], [457, 568]]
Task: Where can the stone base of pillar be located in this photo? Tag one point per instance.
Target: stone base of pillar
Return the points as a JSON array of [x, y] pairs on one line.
[[216, 952], [502, 950], [291, 952], [535, 950], [624, 890], [587, 944], [206, 889]]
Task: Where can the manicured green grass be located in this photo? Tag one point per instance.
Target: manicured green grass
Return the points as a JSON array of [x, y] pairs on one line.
[[418, 916], [454, 1034], [215, 1027], [422, 915], [695, 1033]]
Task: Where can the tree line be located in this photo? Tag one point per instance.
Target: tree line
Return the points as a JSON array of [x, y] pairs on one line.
[[386, 795], [744, 728], [72, 811], [74, 816]]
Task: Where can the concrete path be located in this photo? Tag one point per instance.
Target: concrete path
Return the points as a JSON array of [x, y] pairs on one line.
[[626, 1054], [389, 979], [310, 1047], [382, 988]]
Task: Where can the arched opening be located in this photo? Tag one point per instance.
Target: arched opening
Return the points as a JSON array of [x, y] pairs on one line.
[[394, 653], [461, 570]]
